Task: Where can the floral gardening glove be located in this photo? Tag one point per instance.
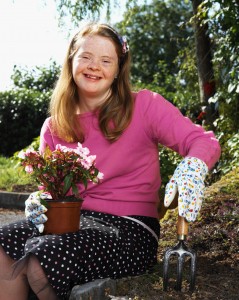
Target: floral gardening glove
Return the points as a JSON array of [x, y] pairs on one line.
[[188, 181], [34, 210]]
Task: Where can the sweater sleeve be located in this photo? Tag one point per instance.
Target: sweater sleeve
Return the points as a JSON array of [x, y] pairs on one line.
[[165, 124]]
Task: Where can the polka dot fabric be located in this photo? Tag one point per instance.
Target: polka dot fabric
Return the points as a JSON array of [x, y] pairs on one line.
[[105, 246]]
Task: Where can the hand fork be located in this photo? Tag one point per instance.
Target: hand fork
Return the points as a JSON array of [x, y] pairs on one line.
[[181, 251]]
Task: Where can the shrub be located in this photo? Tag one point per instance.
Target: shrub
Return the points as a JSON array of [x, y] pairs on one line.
[[22, 113]]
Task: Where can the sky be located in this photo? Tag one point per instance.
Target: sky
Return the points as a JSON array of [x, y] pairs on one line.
[[30, 36]]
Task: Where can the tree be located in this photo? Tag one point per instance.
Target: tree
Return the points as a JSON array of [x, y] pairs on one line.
[[206, 77], [222, 17], [156, 33], [78, 10], [40, 78]]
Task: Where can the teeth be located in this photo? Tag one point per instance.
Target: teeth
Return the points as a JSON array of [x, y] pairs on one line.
[[92, 77]]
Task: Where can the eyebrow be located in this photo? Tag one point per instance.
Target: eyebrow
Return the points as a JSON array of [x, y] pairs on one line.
[[103, 56]]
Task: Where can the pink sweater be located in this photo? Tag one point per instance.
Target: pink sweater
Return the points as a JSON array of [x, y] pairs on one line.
[[131, 164]]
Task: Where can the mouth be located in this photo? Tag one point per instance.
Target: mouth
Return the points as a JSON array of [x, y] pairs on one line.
[[92, 77]]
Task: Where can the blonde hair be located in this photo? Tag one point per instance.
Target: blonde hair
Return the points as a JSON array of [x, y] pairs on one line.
[[116, 110]]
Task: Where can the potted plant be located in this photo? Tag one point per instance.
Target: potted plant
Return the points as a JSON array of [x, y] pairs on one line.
[[58, 173]]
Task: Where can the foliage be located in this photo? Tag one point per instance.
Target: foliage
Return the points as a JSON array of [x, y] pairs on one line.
[[230, 154], [58, 172], [79, 10], [22, 113], [169, 160], [156, 32], [222, 17], [221, 211], [11, 175], [40, 78], [24, 108]]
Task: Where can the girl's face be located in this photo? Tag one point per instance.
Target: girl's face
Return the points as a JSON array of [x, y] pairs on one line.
[[94, 67]]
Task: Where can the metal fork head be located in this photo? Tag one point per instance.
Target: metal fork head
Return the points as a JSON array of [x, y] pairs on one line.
[[181, 251]]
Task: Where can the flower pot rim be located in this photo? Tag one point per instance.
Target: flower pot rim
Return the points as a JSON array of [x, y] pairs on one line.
[[65, 201]]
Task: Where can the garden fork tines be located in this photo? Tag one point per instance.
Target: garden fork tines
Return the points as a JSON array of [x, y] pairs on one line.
[[181, 251]]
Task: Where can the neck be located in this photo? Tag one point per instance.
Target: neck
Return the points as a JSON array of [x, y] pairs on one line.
[[90, 103]]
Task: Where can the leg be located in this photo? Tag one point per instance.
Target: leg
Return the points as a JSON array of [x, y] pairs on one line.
[[32, 274], [11, 288], [38, 280]]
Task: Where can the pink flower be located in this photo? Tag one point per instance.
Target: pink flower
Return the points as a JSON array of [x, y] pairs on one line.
[[22, 154], [61, 148], [31, 151], [60, 171], [84, 151], [29, 169], [100, 175], [84, 163]]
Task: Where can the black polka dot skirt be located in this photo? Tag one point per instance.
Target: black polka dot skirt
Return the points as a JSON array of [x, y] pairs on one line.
[[105, 246]]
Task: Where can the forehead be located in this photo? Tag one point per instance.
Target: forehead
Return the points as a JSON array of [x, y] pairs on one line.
[[96, 43]]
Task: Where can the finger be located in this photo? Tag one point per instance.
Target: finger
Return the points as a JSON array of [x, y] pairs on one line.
[[184, 198], [34, 196], [45, 195], [181, 206], [35, 212], [196, 206], [32, 204], [39, 219], [36, 206], [196, 203], [170, 192], [40, 227]]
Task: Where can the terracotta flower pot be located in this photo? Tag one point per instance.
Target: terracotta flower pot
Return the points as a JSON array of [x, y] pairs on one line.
[[63, 216]]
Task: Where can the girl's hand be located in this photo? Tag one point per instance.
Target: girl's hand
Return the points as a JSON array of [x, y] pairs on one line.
[[188, 181], [35, 211]]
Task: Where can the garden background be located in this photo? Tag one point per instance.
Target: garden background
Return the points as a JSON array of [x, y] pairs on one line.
[[188, 51]]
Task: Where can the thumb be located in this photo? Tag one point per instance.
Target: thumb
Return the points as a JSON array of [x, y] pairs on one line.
[[40, 227], [170, 192]]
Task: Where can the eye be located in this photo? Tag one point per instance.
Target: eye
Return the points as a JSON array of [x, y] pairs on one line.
[[106, 61], [85, 56]]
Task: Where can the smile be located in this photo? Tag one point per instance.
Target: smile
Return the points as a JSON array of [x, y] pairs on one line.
[[92, 76]]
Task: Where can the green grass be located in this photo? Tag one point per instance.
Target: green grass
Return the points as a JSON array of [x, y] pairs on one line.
[[11, 174]]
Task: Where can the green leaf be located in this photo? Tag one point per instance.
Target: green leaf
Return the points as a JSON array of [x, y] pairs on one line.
[[44, 203], [231, 87], [67, 183], [75, 189]]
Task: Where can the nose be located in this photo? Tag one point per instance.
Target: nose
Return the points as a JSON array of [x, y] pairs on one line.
[[94, 64]]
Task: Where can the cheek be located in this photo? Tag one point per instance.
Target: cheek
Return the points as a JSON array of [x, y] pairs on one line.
[[113, 72], [76, 69]]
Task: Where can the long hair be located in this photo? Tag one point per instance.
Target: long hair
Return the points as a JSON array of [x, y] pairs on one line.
[[116, 110]]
